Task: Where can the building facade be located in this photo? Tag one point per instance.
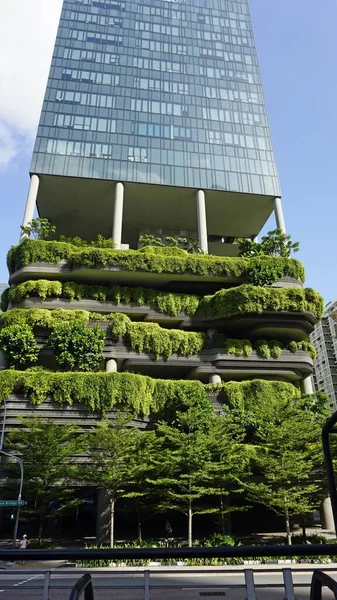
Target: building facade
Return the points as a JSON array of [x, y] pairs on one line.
[[324, 339], [154, 123], [165, 99]]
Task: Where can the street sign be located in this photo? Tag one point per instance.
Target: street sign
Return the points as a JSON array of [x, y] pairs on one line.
[[13, 502]]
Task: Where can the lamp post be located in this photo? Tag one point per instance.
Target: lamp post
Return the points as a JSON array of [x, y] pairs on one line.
[[20, 461]]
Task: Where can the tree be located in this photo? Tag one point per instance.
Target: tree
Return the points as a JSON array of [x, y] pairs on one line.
[[183, 474], [230, 462], [115, 461], [48, 451], [19, 345], [275, 243], [289, 460], [77, 347], [39, 229], [141, 491]]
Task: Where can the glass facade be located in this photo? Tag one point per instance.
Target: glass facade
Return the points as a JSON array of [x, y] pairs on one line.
[[157, 91]]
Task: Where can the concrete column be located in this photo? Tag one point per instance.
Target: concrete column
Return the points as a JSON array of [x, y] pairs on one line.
[[211, 332], [111, 366], [202, 222], [30, 203], [103, 517], [279, 215], [118, 215], [327, 521], [214, 379], [307, 385]]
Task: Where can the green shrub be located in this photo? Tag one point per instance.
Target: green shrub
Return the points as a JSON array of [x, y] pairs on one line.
[[19, 345], [77, 348], [238, 347], [164, 250], [32, 251], [219, 539], [100, 242], [275, 348], [4, 299], [263, 271], [262, 348]]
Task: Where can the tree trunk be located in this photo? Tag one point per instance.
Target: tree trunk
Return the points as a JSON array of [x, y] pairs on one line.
[[304, 532], [222, 516], [139, 527], [287, 520], [40, 529], [190, 516], [112, 523]]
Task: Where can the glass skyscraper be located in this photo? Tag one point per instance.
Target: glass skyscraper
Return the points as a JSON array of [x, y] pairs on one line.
[[163, 93]]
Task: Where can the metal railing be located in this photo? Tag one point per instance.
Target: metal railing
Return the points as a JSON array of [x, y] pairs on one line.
[[320, 579], [83, 585], [274, 550]]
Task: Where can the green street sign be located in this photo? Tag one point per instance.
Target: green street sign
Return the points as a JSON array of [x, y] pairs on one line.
[[13, 502]]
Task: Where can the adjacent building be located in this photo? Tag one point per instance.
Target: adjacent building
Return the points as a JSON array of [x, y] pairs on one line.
[[324, 339]]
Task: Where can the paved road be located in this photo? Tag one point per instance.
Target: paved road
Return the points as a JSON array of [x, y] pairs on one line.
[[20, 585]]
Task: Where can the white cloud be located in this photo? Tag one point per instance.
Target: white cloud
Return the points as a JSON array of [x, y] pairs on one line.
[[27, 35]]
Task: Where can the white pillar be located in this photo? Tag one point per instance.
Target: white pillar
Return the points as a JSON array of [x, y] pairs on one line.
[[118, 215], [327, 515], [214, 379], [30, 202], [308, 388], [111, 366], [202, 222], [279, 215]]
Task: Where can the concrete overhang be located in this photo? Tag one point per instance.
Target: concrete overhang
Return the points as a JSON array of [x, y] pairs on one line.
[[84, 207]]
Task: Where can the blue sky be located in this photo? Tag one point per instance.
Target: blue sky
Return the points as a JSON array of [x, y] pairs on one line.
[[296, 41]]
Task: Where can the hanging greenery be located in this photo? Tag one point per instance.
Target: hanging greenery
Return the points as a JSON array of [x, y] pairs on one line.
[[138, 394], [170, 304]]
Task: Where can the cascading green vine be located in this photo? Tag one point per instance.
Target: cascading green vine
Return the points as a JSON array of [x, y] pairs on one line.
[[146, 260], [170, 304], [102, 392], [138, 394]]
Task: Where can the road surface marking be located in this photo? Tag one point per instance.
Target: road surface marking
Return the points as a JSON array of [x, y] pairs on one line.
[[26, 580]]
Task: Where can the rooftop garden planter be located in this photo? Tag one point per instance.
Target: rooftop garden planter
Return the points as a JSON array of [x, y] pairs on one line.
[[78, 347], [257, 270], [250, 299]]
